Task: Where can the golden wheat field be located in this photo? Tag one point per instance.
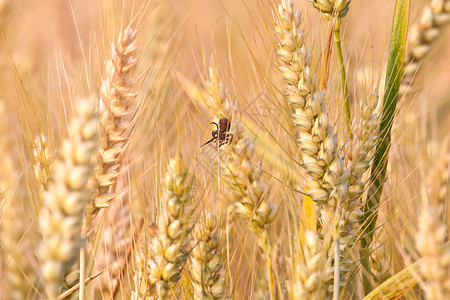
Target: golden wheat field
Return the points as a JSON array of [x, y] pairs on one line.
[[224, 149]]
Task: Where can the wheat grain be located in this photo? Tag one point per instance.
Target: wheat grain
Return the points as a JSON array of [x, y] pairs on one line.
[[43, 160], [143, 289], [307, 272], [380, 263], [317, 141], [330, 8]]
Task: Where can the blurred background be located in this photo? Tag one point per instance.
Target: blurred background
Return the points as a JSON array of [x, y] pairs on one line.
[[54, 51]]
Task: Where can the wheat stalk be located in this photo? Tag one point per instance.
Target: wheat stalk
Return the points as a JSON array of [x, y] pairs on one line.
[[114, 123], [333, 183], [247, 183], [317, 141], [18, 250]]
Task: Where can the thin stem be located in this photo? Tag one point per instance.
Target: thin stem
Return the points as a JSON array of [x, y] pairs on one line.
[[337, 262], [228, 253], [269, 265], [271, 289], [82, 273], [227, 233], [366, 268], [337, 40], [76, 287]]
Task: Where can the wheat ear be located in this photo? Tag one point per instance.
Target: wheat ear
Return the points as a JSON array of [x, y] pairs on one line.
[[332, 183], [433, 20], [317, 141], [116, 99], [207, 261], [17, 250], [430, 242], [66, 198], [170, 247], [307, 272], [433, 233]]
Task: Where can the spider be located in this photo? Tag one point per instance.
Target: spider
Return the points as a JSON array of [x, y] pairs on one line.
[[222, 134]]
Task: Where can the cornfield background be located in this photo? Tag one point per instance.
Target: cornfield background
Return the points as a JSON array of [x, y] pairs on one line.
[[331, 182]]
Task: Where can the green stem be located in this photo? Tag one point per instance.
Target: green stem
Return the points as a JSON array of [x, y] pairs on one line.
[[337, 40], [366, 268]]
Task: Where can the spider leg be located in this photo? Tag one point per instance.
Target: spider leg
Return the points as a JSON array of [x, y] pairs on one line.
[[227, 140], [230, 135], [208, 142], [214, 134]]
